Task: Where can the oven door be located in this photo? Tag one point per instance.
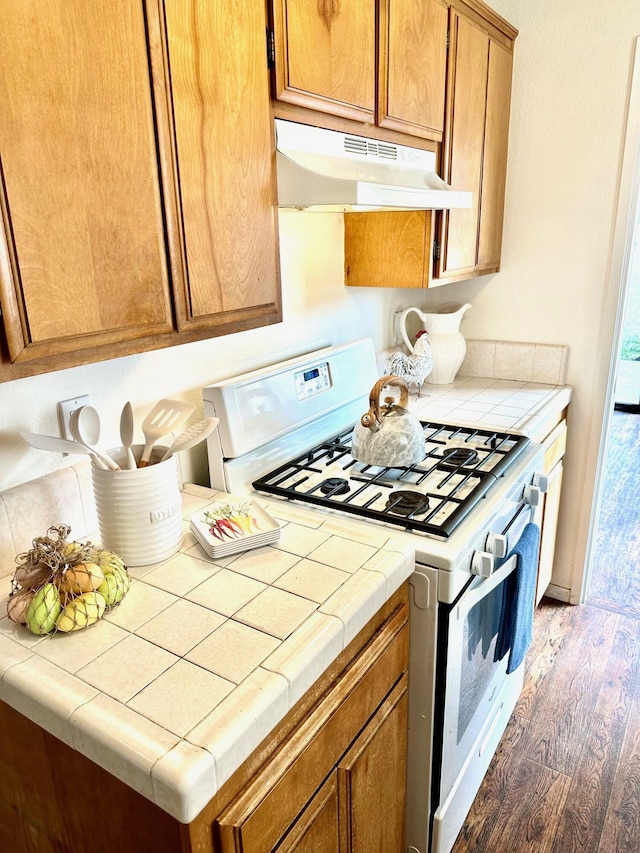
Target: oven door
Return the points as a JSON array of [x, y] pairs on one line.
[[473, 681]]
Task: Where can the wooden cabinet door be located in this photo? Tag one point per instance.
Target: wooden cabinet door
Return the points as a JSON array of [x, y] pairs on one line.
[[462, 162], [412, 66], [387, 248], [317, 829], [475, 149], [270, 806], [494, 161], [325, 56], [82, 252], [548, 531], [225, 213], [372, 778]]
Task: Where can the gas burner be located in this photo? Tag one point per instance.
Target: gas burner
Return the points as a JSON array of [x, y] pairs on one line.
[[334, 486], [460, 456], [407, 503]]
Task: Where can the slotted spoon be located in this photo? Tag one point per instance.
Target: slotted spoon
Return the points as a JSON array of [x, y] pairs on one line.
[[165, 417], [191, 436]]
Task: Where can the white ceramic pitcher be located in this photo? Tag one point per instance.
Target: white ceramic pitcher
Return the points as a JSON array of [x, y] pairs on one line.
[[448, 346]]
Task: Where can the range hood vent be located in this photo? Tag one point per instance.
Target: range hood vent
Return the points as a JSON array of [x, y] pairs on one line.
[[321, 169]]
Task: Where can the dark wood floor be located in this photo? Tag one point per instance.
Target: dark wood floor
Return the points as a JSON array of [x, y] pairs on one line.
[[566, 776]]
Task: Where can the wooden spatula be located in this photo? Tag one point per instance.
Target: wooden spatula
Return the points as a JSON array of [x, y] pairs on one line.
[[165, 417]]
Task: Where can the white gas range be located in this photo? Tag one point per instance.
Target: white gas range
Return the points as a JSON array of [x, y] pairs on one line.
[[285, 430]]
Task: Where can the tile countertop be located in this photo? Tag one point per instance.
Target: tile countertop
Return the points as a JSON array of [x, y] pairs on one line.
[[504, 385], [180, 682], [529, 408]]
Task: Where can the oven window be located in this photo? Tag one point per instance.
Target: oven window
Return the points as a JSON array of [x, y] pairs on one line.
[[478, 668]]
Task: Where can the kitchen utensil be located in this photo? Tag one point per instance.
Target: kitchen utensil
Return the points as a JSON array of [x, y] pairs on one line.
[[57, 445], [192, 436], [448, 346], [126, 434], [389, 436], [165, 417], [84, 425]]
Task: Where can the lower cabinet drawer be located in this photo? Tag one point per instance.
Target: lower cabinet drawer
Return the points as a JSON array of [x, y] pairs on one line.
[[259, 817]]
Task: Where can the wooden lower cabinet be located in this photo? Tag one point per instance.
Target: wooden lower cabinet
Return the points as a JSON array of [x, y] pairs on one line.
[[547, 516], [329, 779]]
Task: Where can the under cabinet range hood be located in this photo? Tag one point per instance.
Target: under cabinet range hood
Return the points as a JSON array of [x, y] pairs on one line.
[[322, 169]]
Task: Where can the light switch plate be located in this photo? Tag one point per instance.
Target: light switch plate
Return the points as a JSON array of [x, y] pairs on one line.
[[65, 408]]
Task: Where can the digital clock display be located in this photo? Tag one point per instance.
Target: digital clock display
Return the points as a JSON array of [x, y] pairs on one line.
[[312, 381]]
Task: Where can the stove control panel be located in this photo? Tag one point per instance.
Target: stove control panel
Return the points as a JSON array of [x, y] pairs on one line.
[[312, 381]]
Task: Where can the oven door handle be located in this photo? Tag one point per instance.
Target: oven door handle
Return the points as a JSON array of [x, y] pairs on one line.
[[474, 594]]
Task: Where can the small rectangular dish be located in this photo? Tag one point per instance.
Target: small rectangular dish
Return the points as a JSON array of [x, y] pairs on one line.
[[228, 528]]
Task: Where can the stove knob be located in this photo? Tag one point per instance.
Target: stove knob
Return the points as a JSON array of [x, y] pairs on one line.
[[496, 544], [542, 481], [482, 564], [532, 495]]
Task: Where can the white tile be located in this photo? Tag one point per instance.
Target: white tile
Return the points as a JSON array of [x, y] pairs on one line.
[[181, 626], [300, 540], [312, 580], [11, 653], [306, 654], [275, 611], [356, 601], [233, 651], [45, 694], [284, 510], [395, 568], [233, 730], [479, 358], [357, 531], [127, 667], [514, 360], [120, 741], [140, 604], [184, 780], [226, 592], [549, 364], [73, 651], [343, 554], [182, 696], [181, 573], [264, 564]]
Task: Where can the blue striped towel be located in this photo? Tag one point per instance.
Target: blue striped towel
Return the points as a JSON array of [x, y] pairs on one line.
[[515, 631]]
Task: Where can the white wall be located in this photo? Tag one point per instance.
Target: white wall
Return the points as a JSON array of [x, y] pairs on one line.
[[571, 81], [318, 310]]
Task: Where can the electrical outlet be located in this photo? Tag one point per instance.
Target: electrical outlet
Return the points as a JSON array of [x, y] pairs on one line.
[[65, 408], [397, 334]]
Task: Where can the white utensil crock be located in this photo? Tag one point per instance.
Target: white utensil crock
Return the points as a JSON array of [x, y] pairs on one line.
[[448, 346], [139, 510]]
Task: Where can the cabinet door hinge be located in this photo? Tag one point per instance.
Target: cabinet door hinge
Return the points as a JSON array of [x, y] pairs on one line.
[[436, 250], [271, 49]]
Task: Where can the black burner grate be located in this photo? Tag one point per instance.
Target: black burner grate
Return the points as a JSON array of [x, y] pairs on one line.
[[461, 464]]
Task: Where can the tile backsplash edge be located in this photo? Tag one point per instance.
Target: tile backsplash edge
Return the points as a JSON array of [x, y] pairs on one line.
[[527, 362]]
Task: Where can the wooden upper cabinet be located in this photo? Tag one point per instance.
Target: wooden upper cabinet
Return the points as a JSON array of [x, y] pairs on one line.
[[225, 214], [381, 63], [82, 254], [412, 66], [325, 56], [137, 181], [474, 153]]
